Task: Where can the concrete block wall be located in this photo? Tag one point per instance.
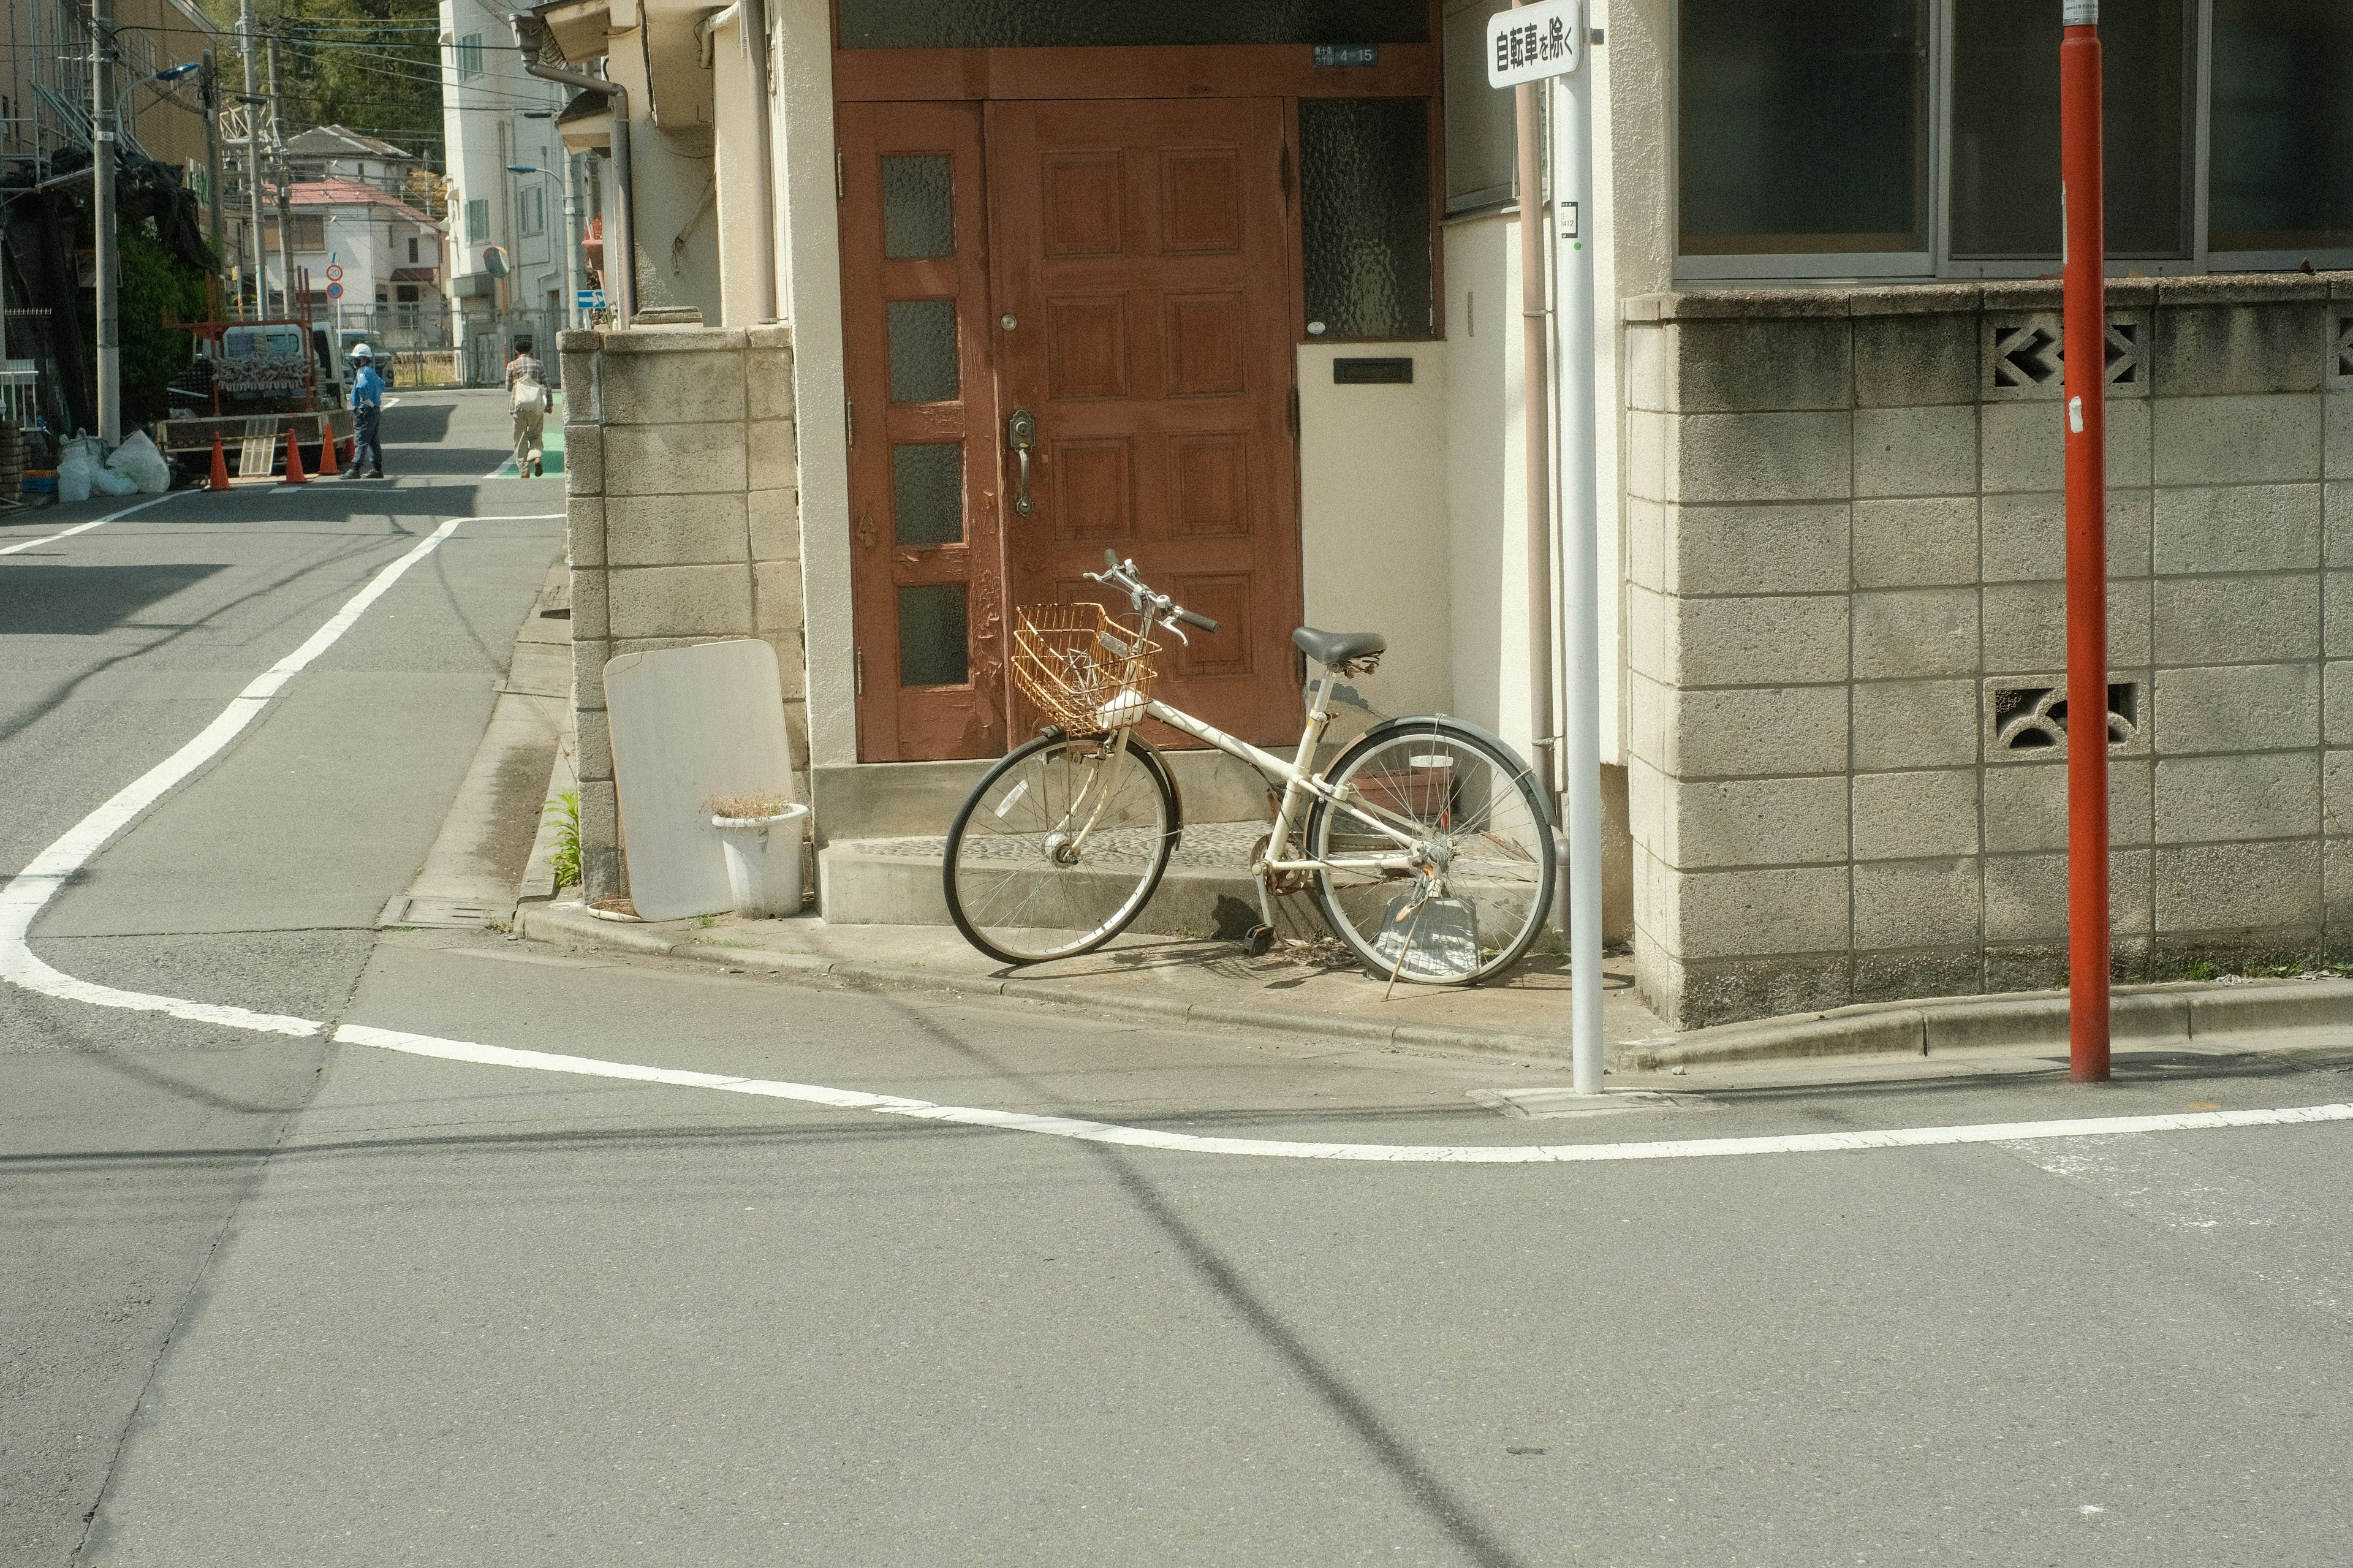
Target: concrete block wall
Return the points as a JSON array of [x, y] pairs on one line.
[[681, 477], [1845, 628]]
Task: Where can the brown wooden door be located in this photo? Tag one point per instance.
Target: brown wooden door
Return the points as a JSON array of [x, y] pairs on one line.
[[1141, 249], [927, 583]]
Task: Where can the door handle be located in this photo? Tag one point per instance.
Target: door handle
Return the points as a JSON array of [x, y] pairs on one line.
[[1021, 433]]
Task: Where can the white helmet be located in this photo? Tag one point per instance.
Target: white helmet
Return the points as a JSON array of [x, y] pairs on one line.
[[363, 352]]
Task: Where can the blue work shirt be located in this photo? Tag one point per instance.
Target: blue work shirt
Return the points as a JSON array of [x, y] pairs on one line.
[[367, 388]]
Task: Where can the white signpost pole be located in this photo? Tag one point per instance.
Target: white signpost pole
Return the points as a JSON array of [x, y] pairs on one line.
[[1537, 43]]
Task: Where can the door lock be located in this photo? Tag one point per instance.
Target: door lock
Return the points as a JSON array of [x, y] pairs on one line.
[[1022, 434]]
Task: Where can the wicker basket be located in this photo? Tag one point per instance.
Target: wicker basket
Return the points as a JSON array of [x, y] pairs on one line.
[[1081, 669]]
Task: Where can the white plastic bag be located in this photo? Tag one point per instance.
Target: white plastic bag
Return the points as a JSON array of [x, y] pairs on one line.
[[77, 465], [106, 481], [138, 459]]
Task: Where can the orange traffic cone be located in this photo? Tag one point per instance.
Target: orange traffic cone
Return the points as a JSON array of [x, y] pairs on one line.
[[294, 474], [326, 449], [220, 464]]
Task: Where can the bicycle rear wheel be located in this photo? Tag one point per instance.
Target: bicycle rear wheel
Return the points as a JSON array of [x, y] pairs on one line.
[[1480, 884], [1059, 848]]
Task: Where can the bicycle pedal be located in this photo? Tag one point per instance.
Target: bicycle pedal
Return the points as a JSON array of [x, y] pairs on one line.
[[1258, 942]]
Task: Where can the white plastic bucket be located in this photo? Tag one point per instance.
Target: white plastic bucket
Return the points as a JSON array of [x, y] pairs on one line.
[[763, 860]]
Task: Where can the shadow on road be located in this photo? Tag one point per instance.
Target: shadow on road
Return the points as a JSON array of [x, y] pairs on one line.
[[84, 601]]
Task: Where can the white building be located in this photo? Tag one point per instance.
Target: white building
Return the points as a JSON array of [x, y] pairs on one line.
[[374, 263], [494, 117]]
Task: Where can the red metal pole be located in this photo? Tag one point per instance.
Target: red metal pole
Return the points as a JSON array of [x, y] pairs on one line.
[[2083, 199]]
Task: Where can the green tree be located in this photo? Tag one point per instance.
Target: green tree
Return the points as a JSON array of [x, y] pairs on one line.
[[373, 66], [153, 282]]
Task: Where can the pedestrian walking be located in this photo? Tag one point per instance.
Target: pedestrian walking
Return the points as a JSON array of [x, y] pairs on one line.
[[528, 396], [367, 410]]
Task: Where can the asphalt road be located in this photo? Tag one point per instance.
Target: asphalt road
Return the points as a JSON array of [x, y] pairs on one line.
[[284, 1301]]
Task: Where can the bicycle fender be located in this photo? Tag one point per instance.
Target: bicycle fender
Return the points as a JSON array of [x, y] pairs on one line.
[[1149, 755]]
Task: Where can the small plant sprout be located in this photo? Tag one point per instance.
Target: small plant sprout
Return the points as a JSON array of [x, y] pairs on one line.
[[565, 858]]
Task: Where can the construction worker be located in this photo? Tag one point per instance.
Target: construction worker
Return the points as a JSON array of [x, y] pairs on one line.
[[528, 396], [367, 409]]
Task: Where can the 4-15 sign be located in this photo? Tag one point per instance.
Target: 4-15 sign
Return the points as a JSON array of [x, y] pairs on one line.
[[1528, 43]]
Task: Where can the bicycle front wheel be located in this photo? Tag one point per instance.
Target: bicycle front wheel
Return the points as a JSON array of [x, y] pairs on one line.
[[1468, 893], [1059, 848]]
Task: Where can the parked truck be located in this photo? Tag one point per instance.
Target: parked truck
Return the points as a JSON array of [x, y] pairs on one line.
[[250, 383]]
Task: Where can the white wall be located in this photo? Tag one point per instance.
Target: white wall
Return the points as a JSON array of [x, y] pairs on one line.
[[1374, 534]]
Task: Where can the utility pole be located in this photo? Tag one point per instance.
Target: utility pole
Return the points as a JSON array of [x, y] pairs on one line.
[[285, 207], [210, 91], [253, 159], [101, 217]]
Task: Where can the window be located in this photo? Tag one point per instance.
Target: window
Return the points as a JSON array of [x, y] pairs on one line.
[[531, 211], [1364, 182], [2281, 149], [470, 56], [478, 220], [404, 293], [1915, 138], [412, 250]]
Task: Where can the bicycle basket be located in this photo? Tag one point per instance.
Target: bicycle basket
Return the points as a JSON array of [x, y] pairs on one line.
[[1081, 669]]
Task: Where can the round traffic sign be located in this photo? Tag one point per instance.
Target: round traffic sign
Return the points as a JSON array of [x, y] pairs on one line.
[[335, 291], [335, 273]]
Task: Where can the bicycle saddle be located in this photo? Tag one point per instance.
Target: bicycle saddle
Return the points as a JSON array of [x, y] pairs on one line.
[[1336, 648]]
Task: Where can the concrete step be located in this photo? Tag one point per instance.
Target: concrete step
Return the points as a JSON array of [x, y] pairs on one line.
[[1206, 891]]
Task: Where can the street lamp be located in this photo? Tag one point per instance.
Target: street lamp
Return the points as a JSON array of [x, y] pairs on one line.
[[570, 237]]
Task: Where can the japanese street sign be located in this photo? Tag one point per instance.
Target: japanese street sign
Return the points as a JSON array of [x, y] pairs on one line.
[[590, 298], [335, 291], [1528, 43]]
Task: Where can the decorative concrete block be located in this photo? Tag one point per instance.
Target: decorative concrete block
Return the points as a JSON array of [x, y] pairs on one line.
[[584, 531], [675, 531], [1649, 374], [583, 460], [682, 601], [2238, 440], [2225, 890], [777, 597], [1760, 457], [1901, 724], [774, 520], [2025, 807], [1650, 446], [1917, 904], [2337, 704], [772, 451], [2249, 347], [594, 757], [1900, 816], [1707, 823], [674, 460], [588, 605], [1916, 543], [2238, 620], [2025, 536], [1799, 548], [2024, 714], [1761, 363], [1646, 546], [1748, 914], [2266, 794], [1785, 730], [1760, 641], [1916, 451], [672, 388], [1902, 361], [2240, 528], [1901, 633], [2337, 793], [588, 673], [2236, 707], [768, 383]]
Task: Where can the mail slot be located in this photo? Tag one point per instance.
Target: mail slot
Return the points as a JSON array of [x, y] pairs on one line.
[[1396, 372]]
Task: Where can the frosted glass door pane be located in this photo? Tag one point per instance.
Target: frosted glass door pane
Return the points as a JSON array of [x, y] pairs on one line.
[[932, 647], [1363, 180], [918, 207], [923, 351], [927, 494]]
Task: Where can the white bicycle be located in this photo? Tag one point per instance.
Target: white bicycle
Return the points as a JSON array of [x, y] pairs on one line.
[[1427, 840]]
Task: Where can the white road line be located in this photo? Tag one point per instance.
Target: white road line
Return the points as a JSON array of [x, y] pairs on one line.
[[1388, 1153], [22, 900], [28, 892], [86, 527]]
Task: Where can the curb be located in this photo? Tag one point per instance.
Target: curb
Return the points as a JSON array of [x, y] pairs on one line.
[[2142, 1015]]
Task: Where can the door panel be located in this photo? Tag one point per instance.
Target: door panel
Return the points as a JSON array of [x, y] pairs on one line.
[[1142, 250], [927, 595]]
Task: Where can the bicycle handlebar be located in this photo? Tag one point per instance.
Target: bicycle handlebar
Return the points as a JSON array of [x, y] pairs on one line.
[[1121, 575]]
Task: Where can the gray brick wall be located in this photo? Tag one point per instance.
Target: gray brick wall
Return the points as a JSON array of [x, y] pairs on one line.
[[1845, 547], [681, 477]]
